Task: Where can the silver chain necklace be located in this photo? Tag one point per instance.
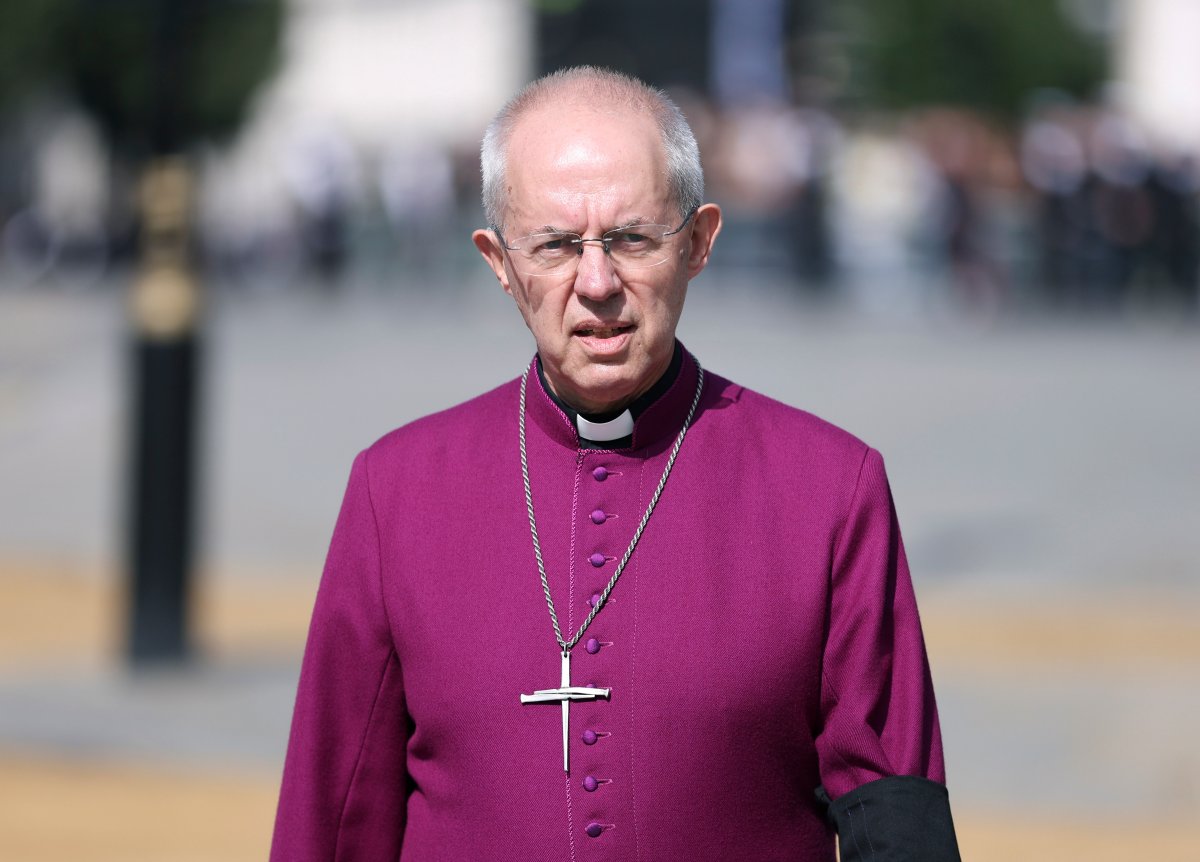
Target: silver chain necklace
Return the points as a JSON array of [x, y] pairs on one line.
[[566, 693], [637, 534]]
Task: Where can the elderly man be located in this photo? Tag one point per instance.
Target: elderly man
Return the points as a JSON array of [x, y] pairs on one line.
[[619, 608]]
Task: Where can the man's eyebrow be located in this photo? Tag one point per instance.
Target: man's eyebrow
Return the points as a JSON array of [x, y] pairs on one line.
[[627, 223], [633, 220]]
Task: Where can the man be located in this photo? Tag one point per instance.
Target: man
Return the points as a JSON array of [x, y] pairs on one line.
[[619, 608]]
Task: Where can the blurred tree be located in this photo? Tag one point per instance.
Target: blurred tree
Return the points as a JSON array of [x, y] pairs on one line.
[[969, 53], [127, 60], [28, 29]]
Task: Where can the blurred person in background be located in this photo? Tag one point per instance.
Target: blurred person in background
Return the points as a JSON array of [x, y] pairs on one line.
[[618, 607], [960, 149], [416, 185], [1122, 209], [1054, 164], [1175, 186], [322, 174]]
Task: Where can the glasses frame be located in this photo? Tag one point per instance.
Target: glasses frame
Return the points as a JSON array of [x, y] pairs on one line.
[[604, 240]]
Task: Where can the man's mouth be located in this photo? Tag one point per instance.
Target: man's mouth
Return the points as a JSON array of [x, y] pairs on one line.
[[603, 331]]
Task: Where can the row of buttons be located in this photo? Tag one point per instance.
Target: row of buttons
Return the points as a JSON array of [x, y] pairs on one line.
[[595, 829]]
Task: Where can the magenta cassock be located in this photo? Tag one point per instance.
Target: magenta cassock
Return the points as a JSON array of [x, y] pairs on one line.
[[763, 641]]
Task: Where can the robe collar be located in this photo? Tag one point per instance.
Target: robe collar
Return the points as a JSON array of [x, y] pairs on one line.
[[655, 416]]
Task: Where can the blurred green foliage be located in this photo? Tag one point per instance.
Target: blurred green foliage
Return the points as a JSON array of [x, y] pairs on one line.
[[28, 32], [182, 70], [981, 54]]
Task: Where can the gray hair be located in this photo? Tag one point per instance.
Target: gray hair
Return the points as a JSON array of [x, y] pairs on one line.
[[588, 84]]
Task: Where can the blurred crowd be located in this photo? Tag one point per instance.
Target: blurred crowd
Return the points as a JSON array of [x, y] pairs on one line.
[[1073, 210], [1077, 208]]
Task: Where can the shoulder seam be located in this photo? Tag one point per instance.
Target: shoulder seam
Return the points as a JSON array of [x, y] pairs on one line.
[[841, 530], [836, 552], [387, 616]]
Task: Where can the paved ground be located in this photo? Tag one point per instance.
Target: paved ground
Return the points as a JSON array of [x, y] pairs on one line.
[[1045, 474]]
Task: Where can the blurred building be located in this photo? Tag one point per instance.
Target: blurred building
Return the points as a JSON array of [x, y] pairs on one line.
[[380, 70], [1158, 64]]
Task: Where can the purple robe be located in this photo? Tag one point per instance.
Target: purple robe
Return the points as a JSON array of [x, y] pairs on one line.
[[763, 641]]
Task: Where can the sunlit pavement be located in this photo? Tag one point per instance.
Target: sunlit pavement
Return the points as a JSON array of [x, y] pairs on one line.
[[1045, 475]]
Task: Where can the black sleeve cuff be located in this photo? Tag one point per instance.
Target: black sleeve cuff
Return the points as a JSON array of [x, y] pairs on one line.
[[903, 818]]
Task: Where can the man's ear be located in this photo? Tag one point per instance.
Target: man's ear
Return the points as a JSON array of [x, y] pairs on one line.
[[488, 243], [706, 224]]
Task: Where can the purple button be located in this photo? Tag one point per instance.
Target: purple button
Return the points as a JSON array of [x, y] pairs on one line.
[[599, 474], [594, 600], [592, 646], [590, 784], [597, 559], [594, 829], [599, 516], [590, 737]]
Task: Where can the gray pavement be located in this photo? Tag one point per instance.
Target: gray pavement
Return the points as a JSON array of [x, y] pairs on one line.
[[1034, 463], [218, 713]]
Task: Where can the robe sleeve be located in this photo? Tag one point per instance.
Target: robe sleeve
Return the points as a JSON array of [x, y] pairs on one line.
[[344, 787], [879, 747]]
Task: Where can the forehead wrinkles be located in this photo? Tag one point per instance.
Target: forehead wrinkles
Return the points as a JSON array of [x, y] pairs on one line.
[[567, 210]]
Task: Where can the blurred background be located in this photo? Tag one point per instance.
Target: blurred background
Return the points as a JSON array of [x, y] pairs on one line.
[[234, 250]]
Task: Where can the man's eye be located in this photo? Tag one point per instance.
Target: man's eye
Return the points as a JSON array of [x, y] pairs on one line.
[[632, 240], [553, 245]]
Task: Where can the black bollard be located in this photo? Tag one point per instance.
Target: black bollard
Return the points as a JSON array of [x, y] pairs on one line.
[[165, 357]]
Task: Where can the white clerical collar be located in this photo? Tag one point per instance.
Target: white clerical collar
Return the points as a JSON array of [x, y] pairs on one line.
[[622, 426], [603, 432]]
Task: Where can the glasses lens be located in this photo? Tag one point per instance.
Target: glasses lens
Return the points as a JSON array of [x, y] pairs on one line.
[[638, 246], [545, 253]]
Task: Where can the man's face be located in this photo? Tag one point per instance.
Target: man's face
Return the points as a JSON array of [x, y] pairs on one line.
[[604, 334]]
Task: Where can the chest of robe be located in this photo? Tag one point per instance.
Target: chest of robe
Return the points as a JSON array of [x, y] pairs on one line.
[[711, 642]]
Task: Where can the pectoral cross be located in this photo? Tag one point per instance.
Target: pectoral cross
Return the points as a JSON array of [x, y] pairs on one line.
[[564, 694]]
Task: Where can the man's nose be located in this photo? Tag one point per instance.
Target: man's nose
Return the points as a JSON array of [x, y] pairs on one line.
[[596, 278]]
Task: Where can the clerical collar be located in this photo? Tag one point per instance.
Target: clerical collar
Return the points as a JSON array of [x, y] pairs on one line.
[[614, 429]]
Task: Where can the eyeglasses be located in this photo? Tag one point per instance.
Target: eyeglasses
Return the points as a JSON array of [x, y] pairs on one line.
[[638, 246]]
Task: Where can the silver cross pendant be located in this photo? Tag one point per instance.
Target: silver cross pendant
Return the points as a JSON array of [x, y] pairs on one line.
[[564, 694]]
